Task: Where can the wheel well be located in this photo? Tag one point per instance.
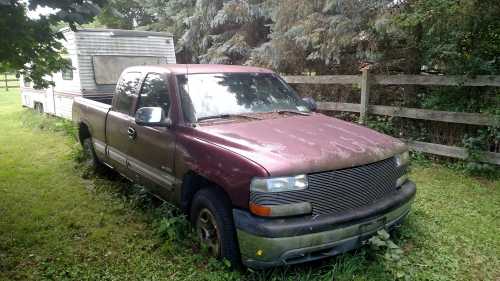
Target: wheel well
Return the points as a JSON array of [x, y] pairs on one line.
[[83, 132], [192, 182]]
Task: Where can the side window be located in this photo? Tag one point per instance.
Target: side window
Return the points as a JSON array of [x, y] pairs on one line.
[[154, 93], [186, 103], [67, 73], [126, 90]]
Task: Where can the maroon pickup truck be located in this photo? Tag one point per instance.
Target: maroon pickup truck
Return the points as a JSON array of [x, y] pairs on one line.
[[264, 179]]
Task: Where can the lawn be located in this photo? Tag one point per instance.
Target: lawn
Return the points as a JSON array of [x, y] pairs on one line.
[[57, 222]]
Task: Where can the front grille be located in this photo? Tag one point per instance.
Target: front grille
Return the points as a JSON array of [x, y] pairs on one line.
[[335, 192]]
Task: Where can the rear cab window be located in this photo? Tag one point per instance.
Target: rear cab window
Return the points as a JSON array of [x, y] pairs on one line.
[[126, 92]]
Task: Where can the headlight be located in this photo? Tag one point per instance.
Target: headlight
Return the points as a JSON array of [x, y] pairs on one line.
[[403, 159], [279, 184]]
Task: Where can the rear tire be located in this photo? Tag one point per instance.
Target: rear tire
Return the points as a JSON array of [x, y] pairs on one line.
[[91, 158], [211, 215]]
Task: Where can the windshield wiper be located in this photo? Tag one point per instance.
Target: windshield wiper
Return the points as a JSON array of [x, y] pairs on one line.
[[282, 111], [225, 116]]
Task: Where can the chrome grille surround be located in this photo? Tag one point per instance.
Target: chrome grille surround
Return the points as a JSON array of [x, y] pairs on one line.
[[335, 192]]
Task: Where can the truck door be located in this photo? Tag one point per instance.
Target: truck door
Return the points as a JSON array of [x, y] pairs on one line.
[[118, 134], [151, 153]]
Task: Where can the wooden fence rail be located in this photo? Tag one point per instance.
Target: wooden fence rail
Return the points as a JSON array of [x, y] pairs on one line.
[[4, 82], [431, 80], [365, 80]]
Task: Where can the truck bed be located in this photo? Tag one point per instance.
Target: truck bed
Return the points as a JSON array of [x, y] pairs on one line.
[[102, 98], [92, 112]]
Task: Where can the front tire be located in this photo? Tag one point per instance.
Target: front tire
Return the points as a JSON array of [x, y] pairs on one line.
[[211, 215]]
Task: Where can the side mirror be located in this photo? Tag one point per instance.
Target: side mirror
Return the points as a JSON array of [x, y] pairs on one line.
[[311, 103], [151, 116]]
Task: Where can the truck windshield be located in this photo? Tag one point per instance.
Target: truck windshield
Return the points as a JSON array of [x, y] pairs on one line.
[[229, 94]]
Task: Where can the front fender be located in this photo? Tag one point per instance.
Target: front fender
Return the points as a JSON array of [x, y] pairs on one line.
[[231, 171]]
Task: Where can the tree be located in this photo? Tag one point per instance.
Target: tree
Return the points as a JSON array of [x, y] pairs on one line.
[[454, 37], [212, 31], [292, 36], [31, 46], [124, 14], [330, 36]]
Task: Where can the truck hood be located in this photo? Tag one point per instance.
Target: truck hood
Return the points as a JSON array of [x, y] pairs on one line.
[[302, 144]]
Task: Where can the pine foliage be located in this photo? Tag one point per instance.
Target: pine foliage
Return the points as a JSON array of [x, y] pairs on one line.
[[330, 36], [290, 36]]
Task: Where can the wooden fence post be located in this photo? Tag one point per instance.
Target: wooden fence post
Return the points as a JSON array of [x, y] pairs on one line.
[[6, 82], [365, 95]]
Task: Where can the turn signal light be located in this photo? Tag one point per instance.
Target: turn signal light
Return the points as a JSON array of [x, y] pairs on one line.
[[284, 210], [259, 210]]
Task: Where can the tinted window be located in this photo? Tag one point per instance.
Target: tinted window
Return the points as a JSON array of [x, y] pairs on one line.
[[126, 90], [154, 92], [204, 95], [67, 73]]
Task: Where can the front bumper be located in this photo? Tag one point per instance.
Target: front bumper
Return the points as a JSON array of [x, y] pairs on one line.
[[268, 242]]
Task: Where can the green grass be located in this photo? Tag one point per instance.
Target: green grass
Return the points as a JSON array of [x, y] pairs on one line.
[[56, 223]]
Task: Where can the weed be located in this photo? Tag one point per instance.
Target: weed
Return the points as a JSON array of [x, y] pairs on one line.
[[392, 253], [383, 124], [476, 146], [32, 119], [172, 228], [420, 159]]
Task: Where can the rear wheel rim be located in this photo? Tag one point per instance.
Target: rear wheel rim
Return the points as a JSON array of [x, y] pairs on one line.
[[207, 231]]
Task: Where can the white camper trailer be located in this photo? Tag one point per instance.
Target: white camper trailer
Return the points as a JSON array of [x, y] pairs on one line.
[[97, 56]]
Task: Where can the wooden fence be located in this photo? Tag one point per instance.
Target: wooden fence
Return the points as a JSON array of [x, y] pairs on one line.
[[6, 81], [365, 80]]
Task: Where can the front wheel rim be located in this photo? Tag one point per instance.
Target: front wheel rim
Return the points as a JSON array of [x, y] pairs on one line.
[[207, 231]]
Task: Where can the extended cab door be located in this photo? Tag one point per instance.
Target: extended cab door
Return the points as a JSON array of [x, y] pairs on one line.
[[151, 153], [118, 133]]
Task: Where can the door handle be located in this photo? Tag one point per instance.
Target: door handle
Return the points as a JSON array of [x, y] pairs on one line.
[[132, 133]]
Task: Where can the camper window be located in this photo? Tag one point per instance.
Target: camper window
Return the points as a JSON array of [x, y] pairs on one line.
[[67, 73], [107, 69]]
